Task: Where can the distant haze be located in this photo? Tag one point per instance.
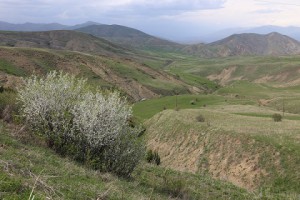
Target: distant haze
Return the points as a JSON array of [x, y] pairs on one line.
[[178, 20]]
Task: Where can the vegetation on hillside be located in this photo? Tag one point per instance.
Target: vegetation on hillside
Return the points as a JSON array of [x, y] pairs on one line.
[[91, 127]]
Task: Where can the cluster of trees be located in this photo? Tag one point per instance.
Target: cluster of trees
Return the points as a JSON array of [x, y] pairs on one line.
[[90, 126]]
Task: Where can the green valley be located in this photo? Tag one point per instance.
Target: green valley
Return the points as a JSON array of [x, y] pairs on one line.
[[208, 111]]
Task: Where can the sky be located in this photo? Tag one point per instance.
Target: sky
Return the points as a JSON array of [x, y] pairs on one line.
[[172, 19]]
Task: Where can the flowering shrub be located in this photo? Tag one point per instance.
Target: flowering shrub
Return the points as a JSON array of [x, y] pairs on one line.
[[91, 127], [101, 118], [46, 103]]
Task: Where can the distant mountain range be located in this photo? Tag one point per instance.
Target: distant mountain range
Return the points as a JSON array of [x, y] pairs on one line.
[[115, 33], [92, 37], [4, 26], [290, 31], [247, 44]]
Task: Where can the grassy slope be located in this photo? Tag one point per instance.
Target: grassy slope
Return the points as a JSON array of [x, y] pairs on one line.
[[282, 70], [234, 118], [252, 152], [26, 165], [123, 73], [286, 98]]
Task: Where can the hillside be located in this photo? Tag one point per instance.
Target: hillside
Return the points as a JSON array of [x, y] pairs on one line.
[[61, 40], [137, 80], [279, 71], [129, 37], [247, 44], [118, 34], [237, 140], [28, 166]]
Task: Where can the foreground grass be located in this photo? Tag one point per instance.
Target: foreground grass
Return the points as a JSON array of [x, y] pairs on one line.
[[27, 168]]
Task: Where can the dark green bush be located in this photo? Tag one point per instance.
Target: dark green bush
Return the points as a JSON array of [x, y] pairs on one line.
[[277, 117], [200, 118], [149, 156], [156, 158], [153, 157]]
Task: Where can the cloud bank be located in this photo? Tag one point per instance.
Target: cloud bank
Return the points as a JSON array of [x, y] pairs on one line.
[[166, 18]]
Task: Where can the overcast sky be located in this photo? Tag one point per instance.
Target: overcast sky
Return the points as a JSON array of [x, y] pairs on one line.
[[166, 18]]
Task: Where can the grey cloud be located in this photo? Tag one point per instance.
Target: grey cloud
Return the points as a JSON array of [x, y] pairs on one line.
[[174, 7]]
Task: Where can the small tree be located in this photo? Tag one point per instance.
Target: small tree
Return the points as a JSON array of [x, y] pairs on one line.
[[277, 117]]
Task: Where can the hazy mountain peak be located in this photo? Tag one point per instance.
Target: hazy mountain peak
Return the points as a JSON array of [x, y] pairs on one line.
[[248, 44]]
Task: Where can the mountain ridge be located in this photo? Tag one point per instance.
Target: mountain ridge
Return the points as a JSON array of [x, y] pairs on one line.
[[128, 36], [291, 31], [29, 27], [62, 40], [247, 44]]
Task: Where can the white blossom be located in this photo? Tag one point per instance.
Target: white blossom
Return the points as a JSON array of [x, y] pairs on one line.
[[47, 102], [101, 118], [61, 107]]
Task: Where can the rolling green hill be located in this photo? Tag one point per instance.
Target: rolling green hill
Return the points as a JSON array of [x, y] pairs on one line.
[[236, 139], [136, 80], [62, 40], [129, 37], [240, 144], [279, 71]]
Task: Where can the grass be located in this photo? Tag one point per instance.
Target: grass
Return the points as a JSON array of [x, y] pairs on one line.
[[186, 185], [146, 109], [131, 72], [59, 178], [257, 64], [26, 166], [196, 80], [11, 69], [227, 141], [268, 115]]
